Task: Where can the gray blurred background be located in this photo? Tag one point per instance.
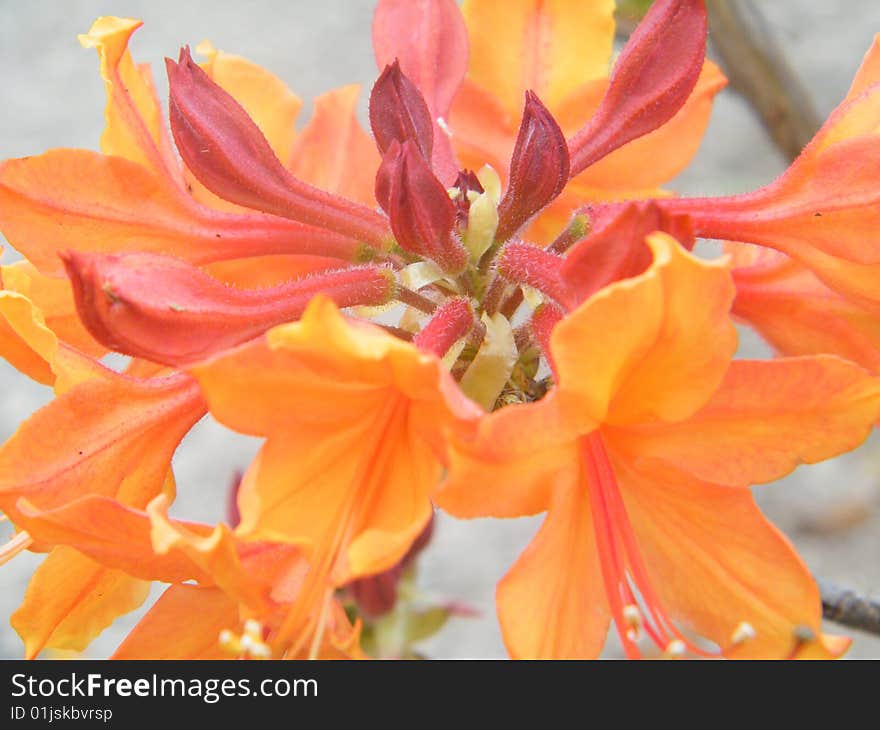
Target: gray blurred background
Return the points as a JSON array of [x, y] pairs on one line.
[[51, 95]]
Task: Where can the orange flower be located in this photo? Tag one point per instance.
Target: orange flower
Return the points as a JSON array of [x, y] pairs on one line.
[[244, 589], [355, 423], [642, 457]]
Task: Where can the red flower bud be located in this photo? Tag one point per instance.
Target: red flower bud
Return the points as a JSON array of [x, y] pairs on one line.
[[228, 153], [376, 595], [168, 311], [421, 213], [523, 263], [452, 321], [538, 168], [615, 248], [655, 73], [399, 112]]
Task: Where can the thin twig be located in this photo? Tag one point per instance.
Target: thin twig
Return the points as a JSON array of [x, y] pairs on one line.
[[846, 607], [758, 69]]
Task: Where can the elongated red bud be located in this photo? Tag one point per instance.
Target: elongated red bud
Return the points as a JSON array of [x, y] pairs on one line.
[[228, 153], [523, 263], [421, 212], [615, 248], [538, 168], [654, 75], [168, 311], [399, 112], [452, 321]]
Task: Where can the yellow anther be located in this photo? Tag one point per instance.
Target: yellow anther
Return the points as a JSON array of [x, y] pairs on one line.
[[255, 628], [675, 649], [632, 616], [743, 632], [249, 645]]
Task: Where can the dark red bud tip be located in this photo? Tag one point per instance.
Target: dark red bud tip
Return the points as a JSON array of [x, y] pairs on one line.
[[615, 248], [228, 153], [421, 213], [398, 111], [655, 73], [523, 263], [376, 595], [538, 168], [451, 321], [168, 311]]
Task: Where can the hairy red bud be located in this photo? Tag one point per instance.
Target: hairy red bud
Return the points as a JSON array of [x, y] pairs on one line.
[[615, 248], [452, 321], [228, 153], [523, 263], [538, 168], [655, 73], [421, 213], [166, 310], [399, 112]]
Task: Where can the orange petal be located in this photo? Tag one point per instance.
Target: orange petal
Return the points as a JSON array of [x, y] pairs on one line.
[[54, 298], [185, 623], [551, 603], [483, 131], [798, 315], [46, 208], [511, 465], [28, 344], [220, 555], [111, 436], [135, 126], [716, 562], [766, 418], [652, 347], [113, 535], [70, 600], [333, 152], [548, 46]]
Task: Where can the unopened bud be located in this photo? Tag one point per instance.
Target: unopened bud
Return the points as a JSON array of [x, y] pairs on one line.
[[398, 112], [539, 168]]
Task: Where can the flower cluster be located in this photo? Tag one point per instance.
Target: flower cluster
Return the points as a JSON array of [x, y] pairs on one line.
[[488, 305]]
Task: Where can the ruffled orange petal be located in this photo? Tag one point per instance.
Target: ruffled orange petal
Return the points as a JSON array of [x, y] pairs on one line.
[[71, 599], [54, 298], [548, 46], [716, 562], [652, 347], [135, 127], [115, 536], [333, 152], [551, 603], [34, 349], [112, 436], [185, 623], [765, 419], [511, 465]]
